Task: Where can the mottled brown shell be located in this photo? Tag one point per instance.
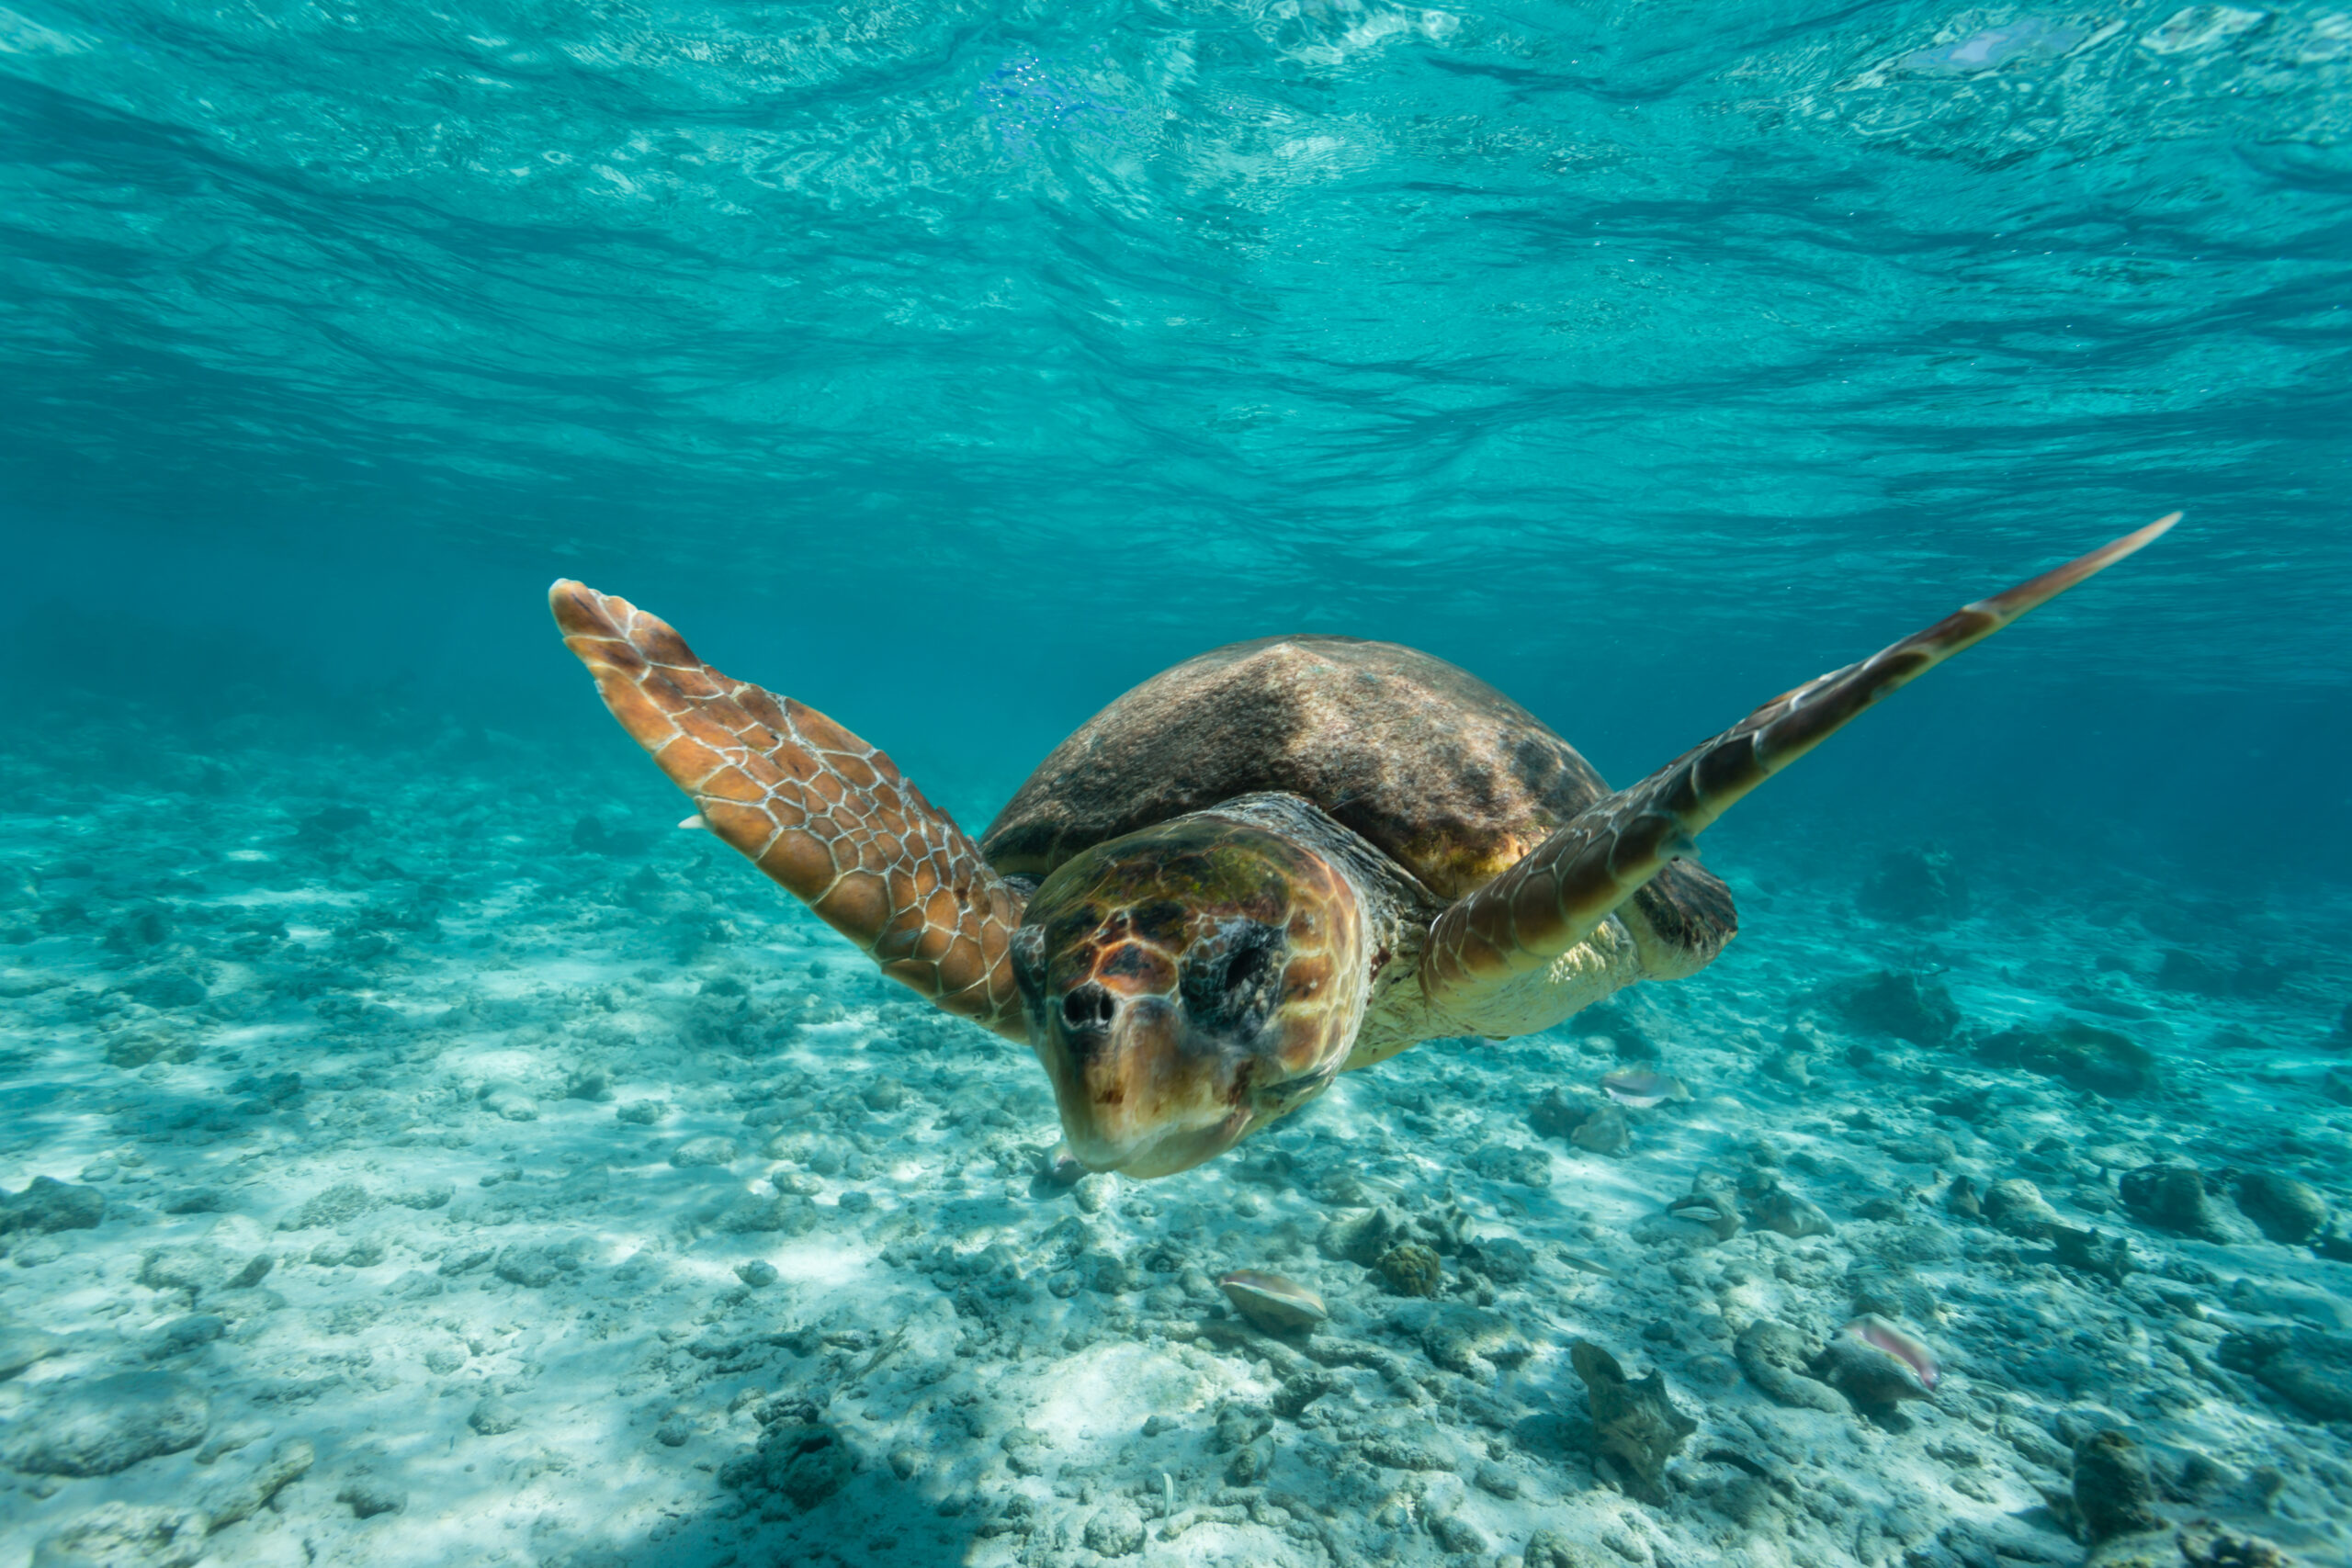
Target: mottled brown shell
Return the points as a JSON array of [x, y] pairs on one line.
[[1443, 773]]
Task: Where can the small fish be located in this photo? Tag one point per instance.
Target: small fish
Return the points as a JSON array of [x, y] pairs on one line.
[[1271, 1301], [698, 823], [1709, 1203], [1639, 1088], [1879, 1335]]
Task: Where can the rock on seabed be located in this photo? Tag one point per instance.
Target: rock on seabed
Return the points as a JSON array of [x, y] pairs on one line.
[[107, 1424]]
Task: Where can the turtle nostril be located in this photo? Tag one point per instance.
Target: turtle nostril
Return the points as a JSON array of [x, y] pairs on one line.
[[1088, 1009]]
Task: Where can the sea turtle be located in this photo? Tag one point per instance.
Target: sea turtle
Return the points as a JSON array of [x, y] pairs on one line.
[[1278, 861]]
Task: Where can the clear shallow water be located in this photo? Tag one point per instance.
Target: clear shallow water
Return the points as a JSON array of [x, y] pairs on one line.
[[1643, 360], [955, 369]]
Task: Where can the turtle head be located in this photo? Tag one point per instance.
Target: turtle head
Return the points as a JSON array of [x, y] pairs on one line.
[[1186, 985]]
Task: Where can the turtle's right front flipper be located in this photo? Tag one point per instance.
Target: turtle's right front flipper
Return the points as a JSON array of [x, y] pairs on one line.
[[1566, 887], [814, 806]]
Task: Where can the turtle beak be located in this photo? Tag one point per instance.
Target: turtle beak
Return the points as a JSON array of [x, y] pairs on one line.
[[1139, 1092]]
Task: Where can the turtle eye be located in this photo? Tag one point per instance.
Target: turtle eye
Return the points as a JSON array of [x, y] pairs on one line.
[[1231, 987]]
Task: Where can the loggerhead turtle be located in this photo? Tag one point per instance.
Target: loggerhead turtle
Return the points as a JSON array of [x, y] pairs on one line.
[[1273, 863]]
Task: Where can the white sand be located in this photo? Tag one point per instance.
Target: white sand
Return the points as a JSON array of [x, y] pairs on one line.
[[537, 1349]]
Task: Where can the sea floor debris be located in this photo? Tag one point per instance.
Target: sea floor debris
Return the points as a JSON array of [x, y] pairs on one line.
[[443, 1160]]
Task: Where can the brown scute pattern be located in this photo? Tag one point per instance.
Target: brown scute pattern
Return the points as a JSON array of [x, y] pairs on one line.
[[1442, 773], [1553, 899], [814, 806]]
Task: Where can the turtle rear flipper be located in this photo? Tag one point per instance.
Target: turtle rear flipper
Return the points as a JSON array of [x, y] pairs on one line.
[[1556, 896], [811, 804]]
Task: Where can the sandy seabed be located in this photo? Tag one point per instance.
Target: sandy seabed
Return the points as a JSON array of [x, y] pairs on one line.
[[424, 1156]]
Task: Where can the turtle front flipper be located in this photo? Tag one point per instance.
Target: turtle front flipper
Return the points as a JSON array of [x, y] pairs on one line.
[[1555, 896], [814, 806]]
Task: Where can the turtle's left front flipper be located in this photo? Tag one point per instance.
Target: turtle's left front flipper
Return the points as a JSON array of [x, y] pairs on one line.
[[814, 806], [1566, 887]]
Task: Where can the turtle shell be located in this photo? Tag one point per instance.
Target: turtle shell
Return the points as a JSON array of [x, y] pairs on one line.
[[1440, 771]]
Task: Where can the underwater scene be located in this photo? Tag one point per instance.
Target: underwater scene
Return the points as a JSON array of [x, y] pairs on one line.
[[1227, 977]]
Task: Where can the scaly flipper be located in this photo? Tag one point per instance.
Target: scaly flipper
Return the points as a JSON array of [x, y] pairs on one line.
[[1566, 887], [817, 809]]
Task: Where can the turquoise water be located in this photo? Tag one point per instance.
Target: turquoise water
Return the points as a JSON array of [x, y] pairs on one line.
[[954, 369], [1666, 343]]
